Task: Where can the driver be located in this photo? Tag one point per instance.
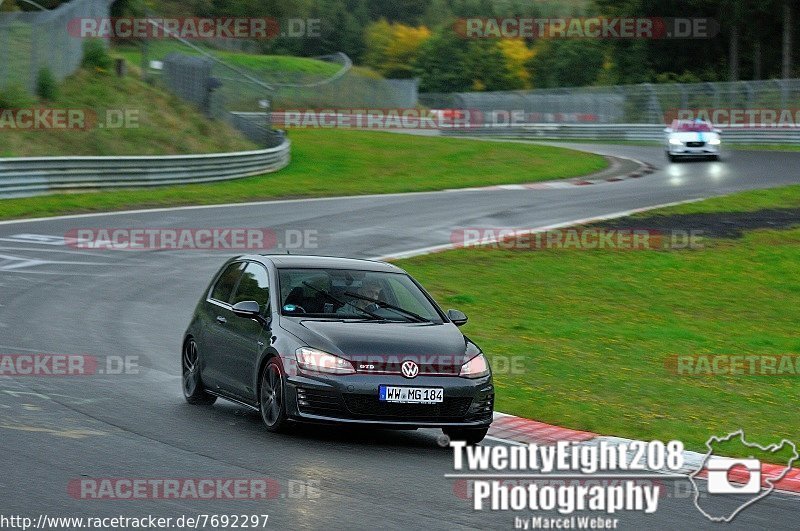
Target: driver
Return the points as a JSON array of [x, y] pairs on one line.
[[369, 288]]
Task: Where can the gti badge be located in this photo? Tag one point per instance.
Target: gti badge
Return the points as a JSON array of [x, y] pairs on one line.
[[410, 369]]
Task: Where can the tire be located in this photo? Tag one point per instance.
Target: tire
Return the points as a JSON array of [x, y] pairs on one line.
[[191, 379], [272, 397], [471, 436], [671, 157]]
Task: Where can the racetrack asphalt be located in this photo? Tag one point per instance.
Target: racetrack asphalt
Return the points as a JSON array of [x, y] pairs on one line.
[[57, 299]]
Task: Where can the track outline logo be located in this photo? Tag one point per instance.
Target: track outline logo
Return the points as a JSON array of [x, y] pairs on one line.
[[771, 482]]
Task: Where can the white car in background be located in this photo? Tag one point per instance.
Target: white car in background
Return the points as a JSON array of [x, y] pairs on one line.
[[692, 138]]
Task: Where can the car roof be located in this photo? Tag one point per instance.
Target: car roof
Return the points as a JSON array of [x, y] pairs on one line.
[[677, 123], [290, 261]]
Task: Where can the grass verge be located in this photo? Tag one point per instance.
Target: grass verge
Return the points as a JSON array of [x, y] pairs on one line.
[[340, 162], [584, 338], [255, 62], [769, 198], [162, 124]]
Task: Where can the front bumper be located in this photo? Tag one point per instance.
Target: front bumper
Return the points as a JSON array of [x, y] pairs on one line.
[[353, 399], [686, 151]]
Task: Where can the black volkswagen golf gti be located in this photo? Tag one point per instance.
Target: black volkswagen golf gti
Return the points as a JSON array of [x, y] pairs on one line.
[[319, 339]]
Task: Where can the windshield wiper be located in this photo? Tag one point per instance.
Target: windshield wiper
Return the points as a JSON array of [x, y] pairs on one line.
[[383, 304], [324, 293]]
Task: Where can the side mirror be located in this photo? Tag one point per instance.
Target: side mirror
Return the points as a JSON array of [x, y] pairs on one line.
[[249, 310], [718, 131], [458, 318]]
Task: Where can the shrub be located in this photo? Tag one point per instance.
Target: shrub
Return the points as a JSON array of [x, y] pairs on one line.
[[46, 85], [96, 56]]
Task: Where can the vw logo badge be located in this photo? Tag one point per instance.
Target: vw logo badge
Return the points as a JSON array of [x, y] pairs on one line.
[[410, 369]]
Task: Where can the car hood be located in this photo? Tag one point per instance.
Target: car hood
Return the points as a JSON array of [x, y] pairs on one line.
[[383, 346]]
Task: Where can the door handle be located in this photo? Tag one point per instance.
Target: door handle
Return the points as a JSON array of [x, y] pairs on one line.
[[221, 320]]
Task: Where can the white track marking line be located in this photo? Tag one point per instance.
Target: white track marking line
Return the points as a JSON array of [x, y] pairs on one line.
[[41, 239], [45, 250], [228, 205], [505, 441], [582, 221], [29, 272]]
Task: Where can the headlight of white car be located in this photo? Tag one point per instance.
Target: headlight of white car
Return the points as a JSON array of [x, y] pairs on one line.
[[714, 141], [675, 142]]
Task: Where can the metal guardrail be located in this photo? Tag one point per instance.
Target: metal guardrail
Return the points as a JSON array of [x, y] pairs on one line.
[[617, 132], [22, 177]]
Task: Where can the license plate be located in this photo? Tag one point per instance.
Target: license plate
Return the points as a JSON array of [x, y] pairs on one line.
[[411, 395]]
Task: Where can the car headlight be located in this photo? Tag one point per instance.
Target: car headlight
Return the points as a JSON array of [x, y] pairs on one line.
[[675, 142], [714, 141], [311, 359], [477, 367]]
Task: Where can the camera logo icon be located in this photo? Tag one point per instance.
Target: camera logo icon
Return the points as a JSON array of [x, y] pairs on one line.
[[722, 477]]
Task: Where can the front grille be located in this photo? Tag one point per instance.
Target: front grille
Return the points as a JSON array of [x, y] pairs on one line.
[[368, 406], [695, 144], [320, 402]]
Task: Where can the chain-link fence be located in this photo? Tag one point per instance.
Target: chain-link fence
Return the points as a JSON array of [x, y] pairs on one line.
[[284, 82], [31, 41], [227, 83], [646, 103]]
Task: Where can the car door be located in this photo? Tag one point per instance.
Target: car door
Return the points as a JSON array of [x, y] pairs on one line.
[[240, 356], [216, 334]]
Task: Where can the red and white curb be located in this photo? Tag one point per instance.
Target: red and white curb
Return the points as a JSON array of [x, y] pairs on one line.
[[518, 430], [642, 170]]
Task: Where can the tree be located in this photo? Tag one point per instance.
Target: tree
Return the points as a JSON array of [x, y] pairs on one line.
[[340, 31], [392, 49], [567, 63], [786, 63], [517, 55], [405, 11], [448, 63]]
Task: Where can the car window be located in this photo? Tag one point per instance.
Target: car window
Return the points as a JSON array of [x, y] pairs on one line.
[[409, 297], [253, 286], [345, 293], [693, 127], [226, 283]]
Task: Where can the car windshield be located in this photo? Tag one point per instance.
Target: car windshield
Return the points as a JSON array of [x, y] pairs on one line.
[[693, 127], [353, 294]]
